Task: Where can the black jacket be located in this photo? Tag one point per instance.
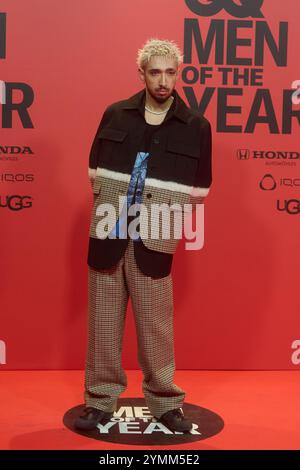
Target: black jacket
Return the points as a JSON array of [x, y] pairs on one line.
[[179, 171]]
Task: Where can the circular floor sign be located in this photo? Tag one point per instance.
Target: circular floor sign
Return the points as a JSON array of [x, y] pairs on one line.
[[133, 424]]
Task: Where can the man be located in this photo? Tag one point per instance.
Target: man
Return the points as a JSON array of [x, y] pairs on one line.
[[149, 149]]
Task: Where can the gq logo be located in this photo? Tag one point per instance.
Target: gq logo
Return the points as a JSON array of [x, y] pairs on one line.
[[237, 8]]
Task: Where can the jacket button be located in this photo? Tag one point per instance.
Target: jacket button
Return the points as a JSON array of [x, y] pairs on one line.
[[149, 195]]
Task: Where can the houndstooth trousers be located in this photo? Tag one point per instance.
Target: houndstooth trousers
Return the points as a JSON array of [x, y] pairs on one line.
[[152, 304]]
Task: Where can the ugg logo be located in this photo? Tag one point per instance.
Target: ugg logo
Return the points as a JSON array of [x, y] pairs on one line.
[[241, 9]]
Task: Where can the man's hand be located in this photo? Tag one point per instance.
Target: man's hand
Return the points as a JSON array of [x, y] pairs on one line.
[[92, 175]]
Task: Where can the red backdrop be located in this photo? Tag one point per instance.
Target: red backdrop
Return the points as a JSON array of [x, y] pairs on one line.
[[236, 300]]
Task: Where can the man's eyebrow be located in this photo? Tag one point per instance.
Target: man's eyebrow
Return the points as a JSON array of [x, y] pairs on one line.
[[159, 70]]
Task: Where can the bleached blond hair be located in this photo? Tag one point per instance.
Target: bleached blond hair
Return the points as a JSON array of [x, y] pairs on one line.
[[158, 47]]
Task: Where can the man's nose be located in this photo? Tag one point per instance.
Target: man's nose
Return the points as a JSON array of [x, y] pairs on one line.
[[163, 79]]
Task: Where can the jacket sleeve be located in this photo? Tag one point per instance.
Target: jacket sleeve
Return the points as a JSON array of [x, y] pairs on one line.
[[203, 177], [93, 156]]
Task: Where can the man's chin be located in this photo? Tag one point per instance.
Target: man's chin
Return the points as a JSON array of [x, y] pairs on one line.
[[161, 98]]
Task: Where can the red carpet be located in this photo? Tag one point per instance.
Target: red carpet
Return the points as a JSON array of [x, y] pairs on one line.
[[260, 409]]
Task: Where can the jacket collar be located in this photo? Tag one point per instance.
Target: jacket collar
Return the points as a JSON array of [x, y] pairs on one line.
[[178, 107]]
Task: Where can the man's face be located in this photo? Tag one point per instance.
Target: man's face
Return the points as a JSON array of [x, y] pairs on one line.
[[160, 77]]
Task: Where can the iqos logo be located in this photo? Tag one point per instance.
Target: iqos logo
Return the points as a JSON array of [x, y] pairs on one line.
[[267, 183], [242, 9]]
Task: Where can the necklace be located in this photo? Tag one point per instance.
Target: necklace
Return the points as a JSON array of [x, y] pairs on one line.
[[159, 112]]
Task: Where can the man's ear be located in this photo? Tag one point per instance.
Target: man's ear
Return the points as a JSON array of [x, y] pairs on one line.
[[142, 74]]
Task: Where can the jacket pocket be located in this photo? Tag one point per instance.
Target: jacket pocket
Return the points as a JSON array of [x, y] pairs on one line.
[[186, 159], [182, 148], [110, 145], [112, 134]]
